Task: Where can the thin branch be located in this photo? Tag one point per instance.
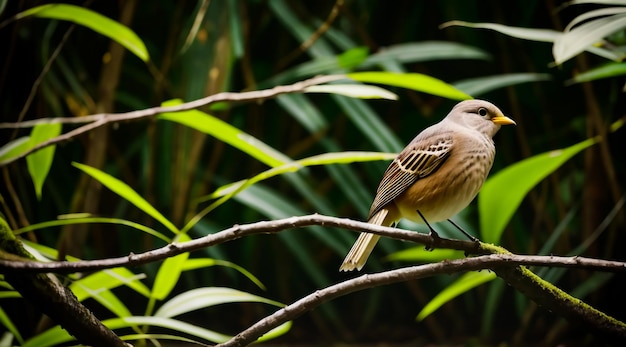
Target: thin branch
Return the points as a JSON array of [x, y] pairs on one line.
[[98, 120], [275, 226], [44, 71], [307, 303]]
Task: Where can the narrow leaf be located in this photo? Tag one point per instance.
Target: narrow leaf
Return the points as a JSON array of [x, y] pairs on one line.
[[463, 284], [354, 91], [605, 71], [414, 81], [14, 148], [581, 37], [94, 21], [541, 35], [125, 191], [227, 133], [39, 163], [481, 85], [499, 198], [169, 273], [200, 298], [418, 254]]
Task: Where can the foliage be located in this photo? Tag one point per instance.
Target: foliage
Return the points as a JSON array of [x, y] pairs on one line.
[[173, 178]]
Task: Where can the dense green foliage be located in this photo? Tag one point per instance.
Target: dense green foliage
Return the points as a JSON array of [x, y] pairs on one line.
[[142, 183]]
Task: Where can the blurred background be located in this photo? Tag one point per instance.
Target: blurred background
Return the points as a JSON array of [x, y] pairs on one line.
[[199, 48]]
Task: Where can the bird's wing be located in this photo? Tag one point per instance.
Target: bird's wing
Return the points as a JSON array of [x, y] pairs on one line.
[[422, 157]]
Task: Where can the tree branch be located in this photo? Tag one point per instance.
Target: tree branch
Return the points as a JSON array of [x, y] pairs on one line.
[[506, 265], [275, 226], [503, 262], [98, 120]]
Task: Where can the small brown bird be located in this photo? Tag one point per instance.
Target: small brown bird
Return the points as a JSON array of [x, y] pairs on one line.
[[436, 175]]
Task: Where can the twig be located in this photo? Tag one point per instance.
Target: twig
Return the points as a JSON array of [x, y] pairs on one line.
[[101, 119], [275, 226]]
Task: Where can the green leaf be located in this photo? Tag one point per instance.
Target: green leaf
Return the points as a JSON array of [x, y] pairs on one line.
[[412, 52], [14, 148], [197, 263], [481, 85], [39, 163], [226, 192], [173, 324], [463, 284], [125, 191], [418, 254], [6, 321], [501, 195], [200, 298], [605, 71], [79, 219], [354, 91], [94, 21], [169, 273], [353, 57], [85, 287], [52, 337], [414, 81], [227, 133]]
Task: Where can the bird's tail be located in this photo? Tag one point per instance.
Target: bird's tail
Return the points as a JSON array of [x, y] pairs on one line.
[[364, 245]]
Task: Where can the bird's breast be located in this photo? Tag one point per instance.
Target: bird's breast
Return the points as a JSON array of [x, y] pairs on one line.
[[456, 183]]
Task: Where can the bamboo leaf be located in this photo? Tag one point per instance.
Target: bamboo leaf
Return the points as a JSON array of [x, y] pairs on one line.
[[227, 133], [125, 191], [499, 198], [414, 81], [94, 21], [39, 163], [354, 91], [463, 284]]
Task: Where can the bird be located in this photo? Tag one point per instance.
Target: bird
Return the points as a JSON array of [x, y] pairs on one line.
[[436, 175]]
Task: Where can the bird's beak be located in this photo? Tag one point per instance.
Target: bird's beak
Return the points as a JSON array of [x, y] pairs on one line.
[[501, 119]]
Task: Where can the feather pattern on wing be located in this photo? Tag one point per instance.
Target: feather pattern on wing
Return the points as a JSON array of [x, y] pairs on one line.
[[418, 160]]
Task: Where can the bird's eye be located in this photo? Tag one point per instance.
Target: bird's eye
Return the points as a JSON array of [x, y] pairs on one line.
[[482, 111]]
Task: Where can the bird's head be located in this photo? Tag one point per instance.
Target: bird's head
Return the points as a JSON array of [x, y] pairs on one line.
[[479, 115]]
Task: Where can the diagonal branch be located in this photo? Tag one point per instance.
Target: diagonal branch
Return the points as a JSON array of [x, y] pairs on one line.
[[98, 120]]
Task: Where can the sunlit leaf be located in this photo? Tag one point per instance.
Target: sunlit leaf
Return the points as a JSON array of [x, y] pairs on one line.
[[353, 57], [418, 254], [88, 220], [414, 81], [168, 323], [54, 336], [463, 284], [85, 287], [227, 133], [502, 194], [200, 298], [169, 272], [39, 163], [354, 91], [94, 21], [14, 148], [125, 191], [578, 39], [542, 35]]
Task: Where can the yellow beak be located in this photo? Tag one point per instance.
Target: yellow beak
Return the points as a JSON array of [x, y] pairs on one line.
[[503, 120]]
